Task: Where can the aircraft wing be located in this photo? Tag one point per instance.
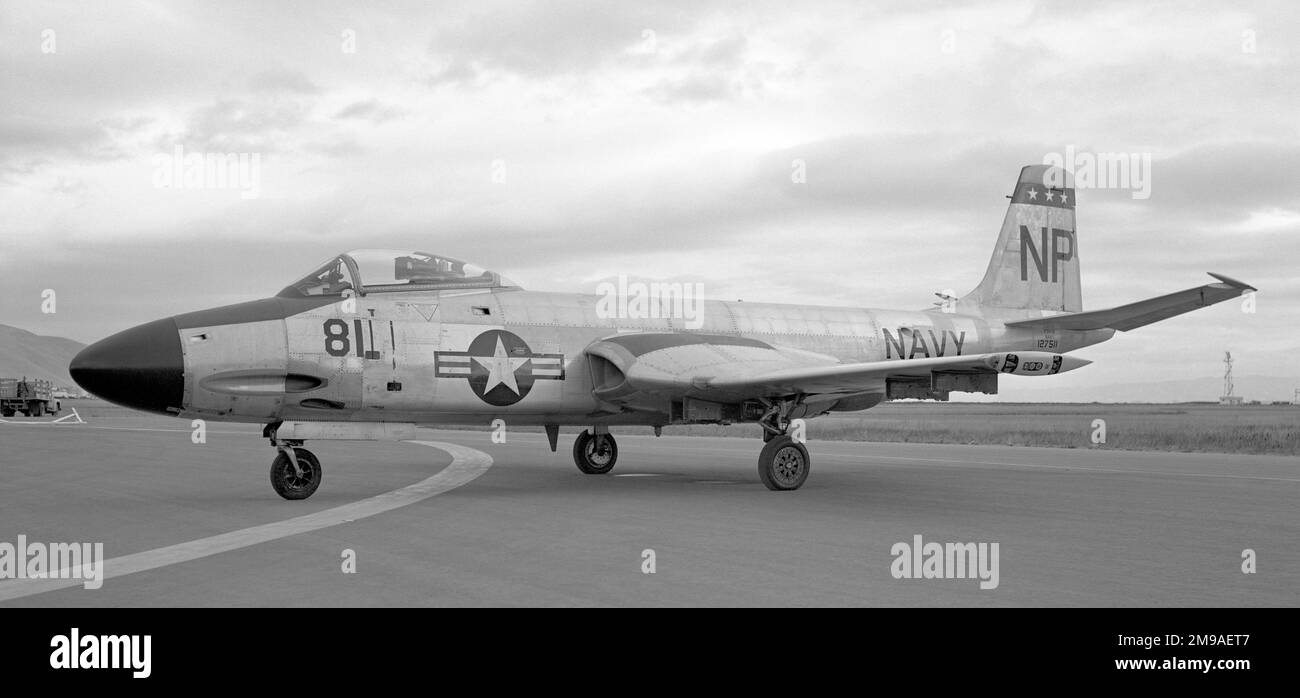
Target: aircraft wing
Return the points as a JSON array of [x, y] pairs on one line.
[[1134, 315], [728, 368]]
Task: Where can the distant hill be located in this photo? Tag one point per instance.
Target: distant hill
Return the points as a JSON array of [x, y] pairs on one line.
[[25, 354]]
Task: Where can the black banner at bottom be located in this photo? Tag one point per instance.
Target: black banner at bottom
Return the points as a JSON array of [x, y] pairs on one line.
[[331, 647]]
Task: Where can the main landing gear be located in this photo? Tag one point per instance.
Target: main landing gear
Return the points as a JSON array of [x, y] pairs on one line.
[[595, 453], [783, 464], [295, 472]]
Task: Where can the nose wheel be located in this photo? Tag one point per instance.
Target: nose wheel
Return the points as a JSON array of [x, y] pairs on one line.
[[295, 473], [595, 454]]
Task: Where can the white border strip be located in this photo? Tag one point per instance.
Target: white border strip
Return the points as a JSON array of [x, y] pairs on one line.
[[466, 464]]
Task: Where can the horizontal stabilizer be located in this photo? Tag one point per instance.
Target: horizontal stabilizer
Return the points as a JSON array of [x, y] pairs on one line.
[[1134, 315]]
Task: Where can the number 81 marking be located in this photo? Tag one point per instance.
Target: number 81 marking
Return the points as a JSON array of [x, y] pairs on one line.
[[338, 343]]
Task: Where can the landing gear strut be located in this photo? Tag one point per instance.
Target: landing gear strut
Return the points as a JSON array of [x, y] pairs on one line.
[[295, 472], [595, 454], [783, 464]]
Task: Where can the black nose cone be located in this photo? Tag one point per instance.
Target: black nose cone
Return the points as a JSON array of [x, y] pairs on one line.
[[141, 368]]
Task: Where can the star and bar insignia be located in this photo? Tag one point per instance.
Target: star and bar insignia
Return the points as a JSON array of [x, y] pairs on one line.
[[500, 367]]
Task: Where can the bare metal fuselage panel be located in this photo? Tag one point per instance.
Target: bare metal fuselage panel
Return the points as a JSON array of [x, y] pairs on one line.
[[412, 357]]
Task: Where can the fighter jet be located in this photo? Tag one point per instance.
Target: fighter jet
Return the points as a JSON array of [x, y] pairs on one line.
[[374, 344]]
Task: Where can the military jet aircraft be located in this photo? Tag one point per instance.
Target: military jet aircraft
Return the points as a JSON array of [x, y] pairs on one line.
[[373, 344]]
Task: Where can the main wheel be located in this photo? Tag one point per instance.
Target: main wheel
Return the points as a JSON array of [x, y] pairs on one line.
[[287, 482], [595, 454], [783, 464]]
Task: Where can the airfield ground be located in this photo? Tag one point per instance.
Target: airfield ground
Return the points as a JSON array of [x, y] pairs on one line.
[[198, 524]]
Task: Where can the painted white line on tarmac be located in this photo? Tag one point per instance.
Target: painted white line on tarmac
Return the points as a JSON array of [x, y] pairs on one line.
[[1073, 468], [957, 463], [466, 464]]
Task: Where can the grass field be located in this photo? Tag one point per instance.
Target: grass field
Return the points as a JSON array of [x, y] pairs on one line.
[[1263, 429], [1187, 427]]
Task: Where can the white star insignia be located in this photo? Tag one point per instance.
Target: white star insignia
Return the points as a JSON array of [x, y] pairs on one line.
[[1033, 193], [501, 368], [1062, 197], [1049, 194]]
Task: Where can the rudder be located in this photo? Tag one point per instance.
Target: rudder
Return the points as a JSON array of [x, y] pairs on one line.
[[1035, 266]]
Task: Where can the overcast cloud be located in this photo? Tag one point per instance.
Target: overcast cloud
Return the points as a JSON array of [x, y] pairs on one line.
[[564, 142]]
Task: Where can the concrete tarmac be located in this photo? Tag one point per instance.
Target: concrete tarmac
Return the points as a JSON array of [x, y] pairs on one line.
[[1073, 527]]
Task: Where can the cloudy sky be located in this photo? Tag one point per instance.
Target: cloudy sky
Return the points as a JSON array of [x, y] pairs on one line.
[[565, 142]]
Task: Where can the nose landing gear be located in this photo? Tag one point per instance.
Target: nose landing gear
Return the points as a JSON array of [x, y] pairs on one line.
[[295, 472]]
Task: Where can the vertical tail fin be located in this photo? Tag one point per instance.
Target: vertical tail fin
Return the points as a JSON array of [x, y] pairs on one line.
[[1035, 265]]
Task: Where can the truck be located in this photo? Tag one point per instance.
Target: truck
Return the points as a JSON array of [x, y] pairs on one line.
[[34, 398]]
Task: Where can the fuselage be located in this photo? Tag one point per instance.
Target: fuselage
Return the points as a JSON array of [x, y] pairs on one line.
[[406, 357]]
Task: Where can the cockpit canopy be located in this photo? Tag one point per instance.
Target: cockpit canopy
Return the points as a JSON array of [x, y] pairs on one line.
[[386, 271]]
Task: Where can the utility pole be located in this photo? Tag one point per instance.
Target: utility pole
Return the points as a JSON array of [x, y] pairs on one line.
[[1227, 375], [1228, 398]]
